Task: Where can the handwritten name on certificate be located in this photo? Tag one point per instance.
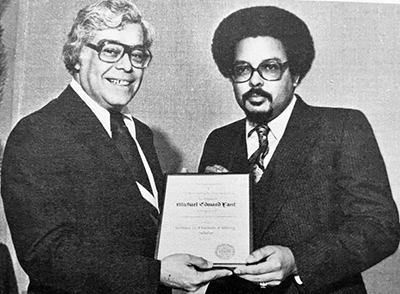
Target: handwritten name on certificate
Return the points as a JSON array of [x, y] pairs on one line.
[[207, 216]]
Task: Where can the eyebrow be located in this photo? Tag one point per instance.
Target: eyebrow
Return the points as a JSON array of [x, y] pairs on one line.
[[264, 60], [102, 41]]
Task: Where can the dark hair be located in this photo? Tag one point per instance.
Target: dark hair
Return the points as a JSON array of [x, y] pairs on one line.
[[264, 21], [102, 15]]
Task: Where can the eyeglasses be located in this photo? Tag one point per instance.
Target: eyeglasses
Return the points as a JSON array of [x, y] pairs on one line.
[[112, 51], [269, 70]]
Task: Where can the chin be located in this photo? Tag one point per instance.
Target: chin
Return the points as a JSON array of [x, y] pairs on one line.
[[119, 100], [258, 116]]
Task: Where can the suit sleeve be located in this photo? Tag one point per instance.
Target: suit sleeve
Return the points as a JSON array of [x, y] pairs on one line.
[[8, 282], [209, 155], [368, 227], [43, 205], [217, 150]]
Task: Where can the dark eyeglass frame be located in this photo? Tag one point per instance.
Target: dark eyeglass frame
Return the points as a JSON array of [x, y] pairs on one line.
[[127, 49], [282, 67]]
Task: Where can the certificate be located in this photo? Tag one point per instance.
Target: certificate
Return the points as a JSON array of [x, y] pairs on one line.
[[207, 215]]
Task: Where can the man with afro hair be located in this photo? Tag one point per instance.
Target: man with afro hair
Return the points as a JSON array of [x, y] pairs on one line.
[[323, 211]]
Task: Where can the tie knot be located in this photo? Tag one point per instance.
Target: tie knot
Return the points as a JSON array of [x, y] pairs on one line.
[[116, 122], [116, 116], [262, 132]]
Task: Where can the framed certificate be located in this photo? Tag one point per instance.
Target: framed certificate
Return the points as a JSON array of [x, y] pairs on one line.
[[207, 215]]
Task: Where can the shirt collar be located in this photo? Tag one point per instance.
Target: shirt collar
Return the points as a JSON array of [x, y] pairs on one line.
[[278, 125]]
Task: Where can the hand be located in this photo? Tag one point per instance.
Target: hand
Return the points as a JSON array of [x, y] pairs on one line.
[[272, 264], [188, 272], [215, 169]]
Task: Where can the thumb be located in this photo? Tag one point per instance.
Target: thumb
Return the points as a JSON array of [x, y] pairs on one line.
[[200, 262]]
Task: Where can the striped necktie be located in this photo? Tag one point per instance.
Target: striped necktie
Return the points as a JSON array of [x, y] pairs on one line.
[[256, 160]]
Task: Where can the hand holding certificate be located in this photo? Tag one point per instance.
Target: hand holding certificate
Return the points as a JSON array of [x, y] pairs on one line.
[[207, 216]]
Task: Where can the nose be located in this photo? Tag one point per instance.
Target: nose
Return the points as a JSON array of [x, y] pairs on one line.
[[124, 63], [256, 80]]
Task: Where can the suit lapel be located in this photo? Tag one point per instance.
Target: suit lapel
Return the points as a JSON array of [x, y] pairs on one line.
[[89, 132], [238, 153], [145, 139], [274, 188]]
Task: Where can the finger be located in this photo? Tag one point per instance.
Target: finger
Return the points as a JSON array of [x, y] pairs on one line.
[[260, 254], [211, 169], [271, 278], [216, 274], [274, 283], [253, 269], [216, 169], [269, 265], [221, 169]]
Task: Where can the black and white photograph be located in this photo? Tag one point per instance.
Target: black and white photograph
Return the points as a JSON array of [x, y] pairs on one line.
[[183, 146]]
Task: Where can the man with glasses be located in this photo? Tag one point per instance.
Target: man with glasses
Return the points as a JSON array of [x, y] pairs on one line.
[[81, 184], [322, 206]]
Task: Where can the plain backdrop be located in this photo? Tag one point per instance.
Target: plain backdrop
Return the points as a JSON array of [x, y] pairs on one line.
[[183, 96]]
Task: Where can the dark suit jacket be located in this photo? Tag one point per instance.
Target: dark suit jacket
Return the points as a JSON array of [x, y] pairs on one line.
[[325, 195], [8, 283], [77, 218]]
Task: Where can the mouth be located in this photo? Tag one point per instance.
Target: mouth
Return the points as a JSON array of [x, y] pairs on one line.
[[257, 96], [118, 82], [256, 99]]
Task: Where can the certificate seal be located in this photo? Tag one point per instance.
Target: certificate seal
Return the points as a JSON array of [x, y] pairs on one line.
[[225, 251]]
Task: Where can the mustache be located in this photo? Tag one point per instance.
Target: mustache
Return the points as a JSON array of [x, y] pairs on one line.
[[257, 91]]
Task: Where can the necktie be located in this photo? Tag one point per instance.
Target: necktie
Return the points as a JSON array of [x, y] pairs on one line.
[[256, 160], [128, 149]]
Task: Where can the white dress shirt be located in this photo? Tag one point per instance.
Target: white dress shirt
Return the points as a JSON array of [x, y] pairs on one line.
[[103, 116]]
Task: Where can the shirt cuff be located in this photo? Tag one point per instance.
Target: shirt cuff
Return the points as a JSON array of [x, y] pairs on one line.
[[298, 280]]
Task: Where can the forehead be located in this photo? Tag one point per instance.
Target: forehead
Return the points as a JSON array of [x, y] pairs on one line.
[[255, 50], [130, 34]]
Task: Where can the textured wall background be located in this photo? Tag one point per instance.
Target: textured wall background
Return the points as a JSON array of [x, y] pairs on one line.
[[184, 97]]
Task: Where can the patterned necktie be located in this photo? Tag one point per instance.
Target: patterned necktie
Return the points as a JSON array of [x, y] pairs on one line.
[[128, 149], [256, 160]]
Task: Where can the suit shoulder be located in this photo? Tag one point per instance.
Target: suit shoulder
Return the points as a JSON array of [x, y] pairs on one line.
[[45, 116], [44, 125], [142, 128], [230, 129], [141, 125], [339, 123], [335, 115], [334, 111], [37, 121]]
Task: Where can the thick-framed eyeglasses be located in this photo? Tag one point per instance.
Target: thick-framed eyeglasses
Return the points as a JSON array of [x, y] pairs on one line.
[[111, 51], [269, 70]]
